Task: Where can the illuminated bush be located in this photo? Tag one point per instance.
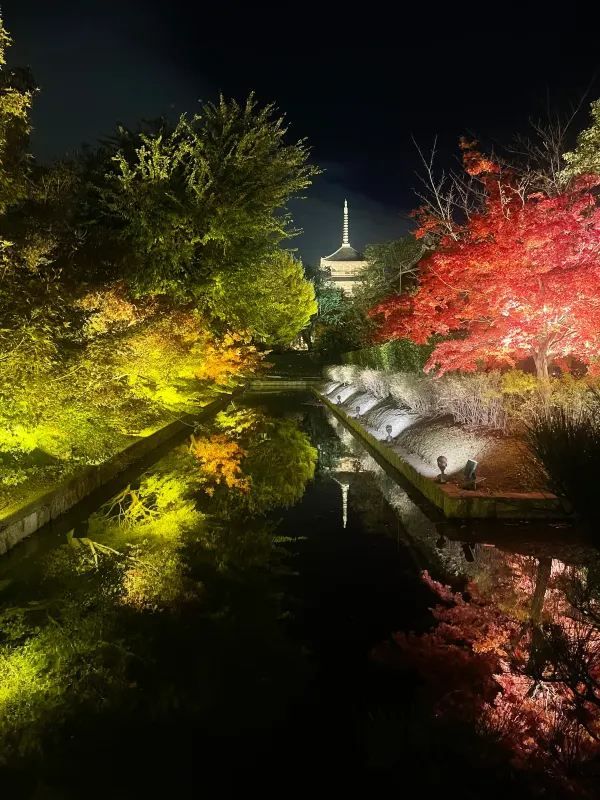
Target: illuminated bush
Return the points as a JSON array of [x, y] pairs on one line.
[[400, 355], [342, 373], [497, 400], [119, 384], [376, 383], [415, 393]]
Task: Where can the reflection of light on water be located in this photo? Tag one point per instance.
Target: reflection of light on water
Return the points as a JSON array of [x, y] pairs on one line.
[[345, 488], [536, 638], [471, 562]]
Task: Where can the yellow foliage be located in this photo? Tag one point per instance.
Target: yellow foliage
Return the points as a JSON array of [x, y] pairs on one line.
[[228, 358], [24, 675], [220, 462], [517, 382], [171, 357], [158, 581], [109, 308], [237, 421]]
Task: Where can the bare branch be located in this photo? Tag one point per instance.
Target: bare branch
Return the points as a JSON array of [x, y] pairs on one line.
[[448, 197]]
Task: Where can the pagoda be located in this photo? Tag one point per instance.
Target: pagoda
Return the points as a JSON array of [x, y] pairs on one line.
[[344, 267]]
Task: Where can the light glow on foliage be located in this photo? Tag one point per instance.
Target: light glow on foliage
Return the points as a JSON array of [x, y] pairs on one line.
[[520, 279], [220, 460], [585, 159], [518, 656]]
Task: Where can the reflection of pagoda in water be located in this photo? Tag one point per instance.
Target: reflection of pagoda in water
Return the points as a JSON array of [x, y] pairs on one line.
[[343, 472], [344, 267]]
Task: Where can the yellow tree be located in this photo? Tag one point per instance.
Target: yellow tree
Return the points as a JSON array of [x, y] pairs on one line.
[[15, 102]]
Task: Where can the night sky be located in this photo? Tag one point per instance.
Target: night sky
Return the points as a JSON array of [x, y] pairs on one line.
[[359, 84]]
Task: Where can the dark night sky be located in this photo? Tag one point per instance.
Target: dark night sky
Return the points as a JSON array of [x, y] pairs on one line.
[[359, 84]]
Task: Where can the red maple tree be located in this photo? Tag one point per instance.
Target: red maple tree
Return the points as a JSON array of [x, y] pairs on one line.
[[520, 278]]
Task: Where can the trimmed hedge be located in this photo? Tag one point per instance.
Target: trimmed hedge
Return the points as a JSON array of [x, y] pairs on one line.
[[399, 355]]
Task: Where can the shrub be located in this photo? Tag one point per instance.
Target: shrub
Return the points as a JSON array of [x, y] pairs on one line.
[[566, 440], [399, 355], [374, 382], [418, 393], [474, 399], [495, 400], [342, 373]]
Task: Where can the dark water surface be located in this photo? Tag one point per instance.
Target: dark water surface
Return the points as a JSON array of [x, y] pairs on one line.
[[252, 613]]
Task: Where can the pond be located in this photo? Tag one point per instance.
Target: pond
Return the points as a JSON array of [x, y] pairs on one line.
[[266, 608]]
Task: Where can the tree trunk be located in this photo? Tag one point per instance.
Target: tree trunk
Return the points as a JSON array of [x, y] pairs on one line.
[[537, 652], [541, 364], [541, 584]]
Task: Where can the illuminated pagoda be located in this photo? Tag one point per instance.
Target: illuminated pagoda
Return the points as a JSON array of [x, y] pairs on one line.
[[344, 267]]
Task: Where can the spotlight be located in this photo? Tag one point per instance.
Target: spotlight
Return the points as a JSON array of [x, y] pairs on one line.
[[442, 463], [470, 474]]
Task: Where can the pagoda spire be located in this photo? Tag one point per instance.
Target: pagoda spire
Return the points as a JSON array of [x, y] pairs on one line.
[[345, 240]]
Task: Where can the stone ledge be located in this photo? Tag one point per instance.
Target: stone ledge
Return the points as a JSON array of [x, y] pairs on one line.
[[276, 383], [454, 502], [33, 514]]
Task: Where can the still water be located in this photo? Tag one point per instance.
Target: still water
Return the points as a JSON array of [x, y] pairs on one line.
[[266, 609]]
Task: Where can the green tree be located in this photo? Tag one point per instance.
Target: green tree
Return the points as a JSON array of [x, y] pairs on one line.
[[16, 91], [585, 159], [205, 196], [338, 325], [32, 311], [345, 328], [193, 212], [274, 301], [331, 304]]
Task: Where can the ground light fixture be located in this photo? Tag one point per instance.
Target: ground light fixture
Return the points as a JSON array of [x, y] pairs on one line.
[[470, 473], [442, 463]]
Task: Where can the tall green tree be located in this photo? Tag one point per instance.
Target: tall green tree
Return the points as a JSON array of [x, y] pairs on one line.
[[27, 289], [206, 196]]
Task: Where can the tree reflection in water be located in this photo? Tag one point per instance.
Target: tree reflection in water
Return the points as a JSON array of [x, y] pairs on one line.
[[151, 605], [517, 656], [514, 657], [154, 630]]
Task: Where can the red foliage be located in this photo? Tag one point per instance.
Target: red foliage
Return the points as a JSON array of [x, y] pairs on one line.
[[520, 279], [534, 686], [426, 222], [474, 162]]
